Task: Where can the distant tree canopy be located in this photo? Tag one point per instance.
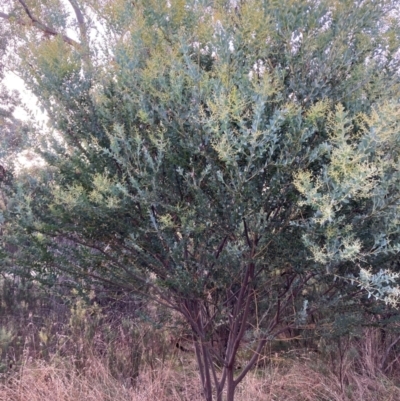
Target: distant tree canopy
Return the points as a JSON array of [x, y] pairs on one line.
[[237, 161]]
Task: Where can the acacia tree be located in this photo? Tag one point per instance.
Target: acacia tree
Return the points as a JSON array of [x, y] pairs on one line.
[[228, 159]]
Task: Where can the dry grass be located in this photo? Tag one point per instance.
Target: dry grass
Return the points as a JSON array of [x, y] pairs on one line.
[[60, 381], [300, 382], [176, 380]]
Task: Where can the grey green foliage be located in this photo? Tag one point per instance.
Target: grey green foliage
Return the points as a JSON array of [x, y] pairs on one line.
[[236, 162]]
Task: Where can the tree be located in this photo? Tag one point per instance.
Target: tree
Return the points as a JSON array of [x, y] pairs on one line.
[[235, 161]]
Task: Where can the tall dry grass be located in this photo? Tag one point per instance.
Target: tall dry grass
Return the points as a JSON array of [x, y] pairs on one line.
[[58, 380]]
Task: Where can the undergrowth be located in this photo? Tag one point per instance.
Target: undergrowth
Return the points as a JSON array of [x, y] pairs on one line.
[[103, 347]]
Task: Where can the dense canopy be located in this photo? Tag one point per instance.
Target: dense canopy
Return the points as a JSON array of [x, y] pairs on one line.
[[234, 160]]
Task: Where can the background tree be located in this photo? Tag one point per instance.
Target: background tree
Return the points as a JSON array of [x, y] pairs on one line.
[[12, 132], [230, 160]]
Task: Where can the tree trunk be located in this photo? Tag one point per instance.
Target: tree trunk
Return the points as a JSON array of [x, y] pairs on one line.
[[205, 376], [230, 385]]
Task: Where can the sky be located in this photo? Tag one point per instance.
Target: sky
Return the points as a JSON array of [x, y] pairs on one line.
[[25, 159], [14, 82]]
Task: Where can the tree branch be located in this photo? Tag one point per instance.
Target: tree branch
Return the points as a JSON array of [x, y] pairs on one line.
[[247, 234], [39, 25], [80, 19], [23, 4]]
